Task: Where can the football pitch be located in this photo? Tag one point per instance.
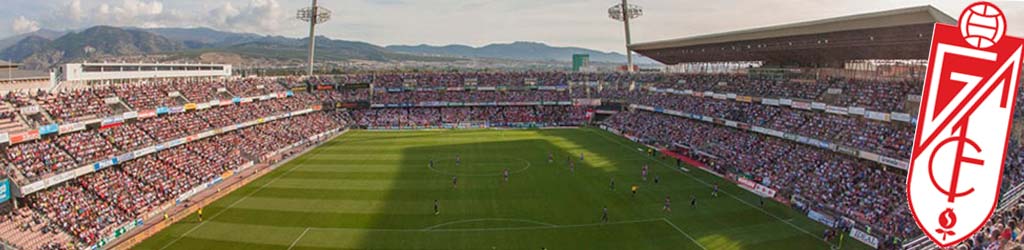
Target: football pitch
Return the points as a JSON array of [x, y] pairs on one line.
[[376, 190]]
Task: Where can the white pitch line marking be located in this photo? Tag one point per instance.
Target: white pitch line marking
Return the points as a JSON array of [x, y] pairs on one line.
[[486, 219], [684, 233], [243, 198], [299, 238]]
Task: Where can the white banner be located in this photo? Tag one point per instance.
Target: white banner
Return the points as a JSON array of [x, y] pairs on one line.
[[801, 105], [894, 162], [837, 110], [903, 117], [869, 156], [877, 115], [756, 188], [864, 237], [30, 110], [857, 110]]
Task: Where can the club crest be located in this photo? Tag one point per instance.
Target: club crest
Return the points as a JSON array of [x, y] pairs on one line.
[[963, 124]]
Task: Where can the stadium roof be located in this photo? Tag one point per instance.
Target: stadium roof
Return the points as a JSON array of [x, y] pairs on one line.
[[893, 34], [10, 72], [5, 64], [18, 74]]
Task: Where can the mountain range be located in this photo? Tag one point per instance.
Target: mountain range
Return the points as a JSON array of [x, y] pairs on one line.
[[44, 33], [37, 52], [523, 51], [43, 49]]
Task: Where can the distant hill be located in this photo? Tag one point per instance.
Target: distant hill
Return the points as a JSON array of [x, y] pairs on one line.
[[524, 51], [110, 43], [209, 38], [37, 53], [43, 33], [24, 48], [328, 49], [201, 35], [206, 40], [247, 43]]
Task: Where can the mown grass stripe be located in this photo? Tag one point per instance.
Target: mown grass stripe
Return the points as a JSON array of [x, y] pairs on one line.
[[373, 190]]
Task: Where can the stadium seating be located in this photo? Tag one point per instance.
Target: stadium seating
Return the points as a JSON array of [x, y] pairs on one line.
[[121, 194], [146, 95], [37, 159], [83, 210], [861, 133], [831, 181], [434, 117], [73, 105], [30, 230], [128, 137]]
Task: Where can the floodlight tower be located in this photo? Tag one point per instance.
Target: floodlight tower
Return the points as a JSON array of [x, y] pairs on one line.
[[313, 15], [624, 12]]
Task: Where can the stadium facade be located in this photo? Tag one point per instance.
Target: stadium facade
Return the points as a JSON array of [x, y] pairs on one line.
[[78, 72]]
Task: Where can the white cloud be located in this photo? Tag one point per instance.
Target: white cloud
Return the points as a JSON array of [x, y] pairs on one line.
[[129, 12], [261, 16], [74, 10], [219, 16], [24, 25]]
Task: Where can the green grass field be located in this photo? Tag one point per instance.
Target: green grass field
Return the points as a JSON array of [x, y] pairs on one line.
[[375, 190]]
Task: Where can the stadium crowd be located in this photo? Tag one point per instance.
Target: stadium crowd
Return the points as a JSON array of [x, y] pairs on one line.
[[1003, 231], [885, 138], [83, 210], [89, 207], [470, 96], [497, 116], [41, 158], [830, 181], [883, 96]]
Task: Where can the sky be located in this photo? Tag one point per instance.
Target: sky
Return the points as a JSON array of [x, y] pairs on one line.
[[582, 23]]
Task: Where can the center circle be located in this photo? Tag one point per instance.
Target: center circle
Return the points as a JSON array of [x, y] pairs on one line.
[[490, 166]]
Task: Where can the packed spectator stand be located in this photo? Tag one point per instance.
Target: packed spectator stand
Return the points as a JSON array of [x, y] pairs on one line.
[[827, 180], [494, 116], [81, 211], [1003, 230]]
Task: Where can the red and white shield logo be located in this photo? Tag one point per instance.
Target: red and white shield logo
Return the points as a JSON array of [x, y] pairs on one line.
[[964, 124]]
